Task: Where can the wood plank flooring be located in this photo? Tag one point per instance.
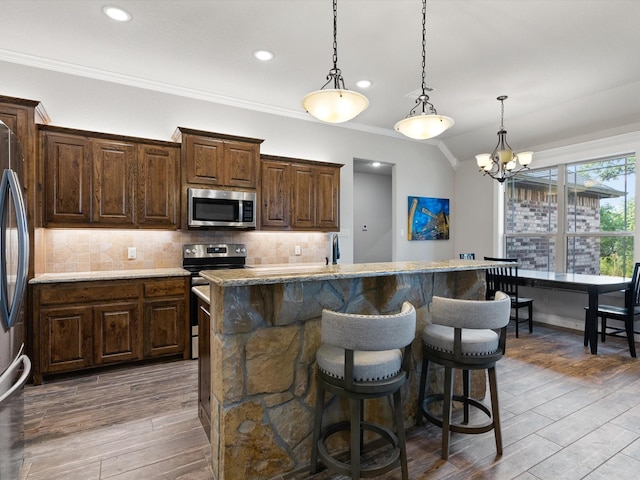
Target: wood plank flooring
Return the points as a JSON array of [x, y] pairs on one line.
[[566, 414]]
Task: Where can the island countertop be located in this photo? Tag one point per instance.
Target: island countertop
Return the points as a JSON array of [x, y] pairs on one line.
[[304, 272]]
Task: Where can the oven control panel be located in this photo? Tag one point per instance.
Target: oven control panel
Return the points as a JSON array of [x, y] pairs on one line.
[[214, 250]]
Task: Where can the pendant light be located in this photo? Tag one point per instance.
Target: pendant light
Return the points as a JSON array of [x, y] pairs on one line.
[[502, 164], [337, 104], [425, 123]]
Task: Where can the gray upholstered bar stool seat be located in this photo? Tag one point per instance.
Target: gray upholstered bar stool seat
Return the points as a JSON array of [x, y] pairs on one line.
[[363, 357], [466, 335]]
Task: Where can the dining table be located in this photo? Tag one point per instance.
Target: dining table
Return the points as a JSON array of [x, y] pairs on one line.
[[593, 285]]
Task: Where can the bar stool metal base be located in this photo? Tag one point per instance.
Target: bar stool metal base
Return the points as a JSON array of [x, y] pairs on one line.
[[344, 468]]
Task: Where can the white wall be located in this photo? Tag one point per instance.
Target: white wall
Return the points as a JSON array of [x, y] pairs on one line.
[[96, 105], [372, 207]]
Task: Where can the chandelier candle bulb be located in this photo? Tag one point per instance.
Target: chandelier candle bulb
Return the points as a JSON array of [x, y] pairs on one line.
[[502, 164]]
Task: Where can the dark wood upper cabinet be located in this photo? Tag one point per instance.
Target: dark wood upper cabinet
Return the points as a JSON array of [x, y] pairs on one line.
[[299, 194], [67, 179], [158, 186], [98, 180], [275, 192], [113, 188], [218, 160]]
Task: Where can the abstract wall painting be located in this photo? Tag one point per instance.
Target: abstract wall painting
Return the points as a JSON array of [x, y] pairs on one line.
[[428, 218]]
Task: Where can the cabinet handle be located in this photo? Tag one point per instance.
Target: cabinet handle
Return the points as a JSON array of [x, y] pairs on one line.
[[205, 311]]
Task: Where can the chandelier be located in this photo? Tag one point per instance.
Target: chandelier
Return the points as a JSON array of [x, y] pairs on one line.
[[337, 104], [502, 164], [423, 120]]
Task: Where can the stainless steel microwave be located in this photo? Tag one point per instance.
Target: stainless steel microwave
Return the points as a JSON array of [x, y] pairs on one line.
[[221, 208]]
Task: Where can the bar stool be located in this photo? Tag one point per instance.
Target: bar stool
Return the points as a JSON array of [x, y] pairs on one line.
[[463, 336], [363, 357]]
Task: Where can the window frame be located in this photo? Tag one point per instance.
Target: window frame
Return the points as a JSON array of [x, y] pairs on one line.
[[562, 235]]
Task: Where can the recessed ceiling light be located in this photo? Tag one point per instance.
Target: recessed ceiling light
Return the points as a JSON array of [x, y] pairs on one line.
[[363, 83], [263, 55], [116, 13]]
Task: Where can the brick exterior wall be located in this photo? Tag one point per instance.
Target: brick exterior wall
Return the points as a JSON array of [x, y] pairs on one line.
[[531, 211]]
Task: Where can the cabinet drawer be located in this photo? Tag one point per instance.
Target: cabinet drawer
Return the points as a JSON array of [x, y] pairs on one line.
[[83, 292], [164, 288]]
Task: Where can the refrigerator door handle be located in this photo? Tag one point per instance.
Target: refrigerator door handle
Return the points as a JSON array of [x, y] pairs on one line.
[[24, 360], [10, 184]]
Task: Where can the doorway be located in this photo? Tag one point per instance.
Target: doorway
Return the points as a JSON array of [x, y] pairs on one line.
[[372, 211]]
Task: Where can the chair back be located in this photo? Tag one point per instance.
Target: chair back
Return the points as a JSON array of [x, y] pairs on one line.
[[467, 256], [472, 314], [351, 331], [503, 278], [632, 299]]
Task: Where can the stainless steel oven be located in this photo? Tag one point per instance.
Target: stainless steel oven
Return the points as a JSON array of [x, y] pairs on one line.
[[198, 257]]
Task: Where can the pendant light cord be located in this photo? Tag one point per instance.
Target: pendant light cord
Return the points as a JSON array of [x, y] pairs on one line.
[[424, 47], [335, 34]]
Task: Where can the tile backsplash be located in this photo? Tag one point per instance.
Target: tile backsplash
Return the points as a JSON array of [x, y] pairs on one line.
[[82, 250]]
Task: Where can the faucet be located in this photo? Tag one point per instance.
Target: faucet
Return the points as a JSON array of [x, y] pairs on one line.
[[336, 249]]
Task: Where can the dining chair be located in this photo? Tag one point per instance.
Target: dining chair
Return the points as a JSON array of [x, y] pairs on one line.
[[505, 279], [626, 314]]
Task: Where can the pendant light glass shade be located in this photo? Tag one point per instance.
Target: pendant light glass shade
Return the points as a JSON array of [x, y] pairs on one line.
[[424, 126], [423, 121], [335, 105]]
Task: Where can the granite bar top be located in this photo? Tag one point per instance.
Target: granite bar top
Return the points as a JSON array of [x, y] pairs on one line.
[[202, 291], [109, 275], [303, 272]]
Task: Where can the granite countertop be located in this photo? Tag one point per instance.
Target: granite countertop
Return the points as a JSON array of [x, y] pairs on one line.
[[108, 275], [202, 291], [268, 274]]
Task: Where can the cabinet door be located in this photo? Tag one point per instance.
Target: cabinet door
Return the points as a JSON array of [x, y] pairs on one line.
[[241, 164], [275, 194], [67, 185], [164, 326], [204, 160], [65, 338], [116, 333], [113, 175], [204, 366], [303, 214], [158, 183], [327, 198]]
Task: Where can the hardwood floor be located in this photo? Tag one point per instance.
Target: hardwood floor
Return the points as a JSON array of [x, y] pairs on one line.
[[566, 414]]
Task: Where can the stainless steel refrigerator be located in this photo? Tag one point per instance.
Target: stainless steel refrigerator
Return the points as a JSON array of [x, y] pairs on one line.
[[15, 366]]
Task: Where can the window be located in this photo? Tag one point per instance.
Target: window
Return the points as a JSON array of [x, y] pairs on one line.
[[531, 214], [594, 231]]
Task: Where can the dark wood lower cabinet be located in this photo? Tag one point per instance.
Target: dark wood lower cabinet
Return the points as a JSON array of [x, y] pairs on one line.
[[117, 333], [204, 366], [80, 325], [164, 327], [66, 337]]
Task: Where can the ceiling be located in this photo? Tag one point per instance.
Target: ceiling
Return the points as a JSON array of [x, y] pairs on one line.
[[569, 67]]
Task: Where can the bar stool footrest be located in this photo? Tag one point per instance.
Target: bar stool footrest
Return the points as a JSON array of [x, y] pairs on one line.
[[458, 427], [344, 468]]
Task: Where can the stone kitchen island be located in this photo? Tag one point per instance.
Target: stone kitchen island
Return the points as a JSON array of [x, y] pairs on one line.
[[264, 332]]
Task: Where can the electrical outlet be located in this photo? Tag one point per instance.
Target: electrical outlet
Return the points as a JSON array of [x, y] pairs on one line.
[[131, 253], [297, 250]]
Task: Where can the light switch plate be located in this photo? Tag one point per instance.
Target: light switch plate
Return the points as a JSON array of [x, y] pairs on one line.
[[131, 253]]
